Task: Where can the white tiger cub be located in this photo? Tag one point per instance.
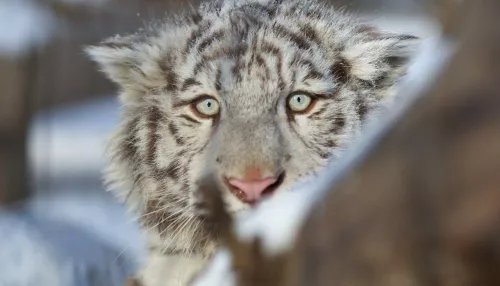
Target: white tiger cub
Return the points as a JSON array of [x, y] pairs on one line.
[[264, 91]]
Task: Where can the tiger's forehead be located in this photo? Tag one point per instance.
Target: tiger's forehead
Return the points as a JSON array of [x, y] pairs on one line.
[[258, 66], [257, 52]]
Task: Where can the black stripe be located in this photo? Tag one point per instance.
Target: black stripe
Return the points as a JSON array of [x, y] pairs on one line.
[[238, 53], [269, 48], [263, 64], [258, 9], [330, 143], [254, 53], [175, 133], [189, 82], [173, 170], [181, 153], [323, 154], [299, 40], [154, 118], [207, 58], [198, 67], [313, 72], [196, 17], [180, 103], [188, 118], [341, 70], [195, 35], [218, 84], [279, 67], [171, 76], [318, 113], [129, 149], [337, 123], [238, 68], [210, 40], [310, 33], [361, 109]]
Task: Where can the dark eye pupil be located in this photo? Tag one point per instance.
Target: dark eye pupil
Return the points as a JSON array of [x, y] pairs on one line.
[[209, 104]]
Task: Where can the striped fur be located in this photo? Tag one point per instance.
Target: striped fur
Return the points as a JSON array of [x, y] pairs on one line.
[[249, 55]]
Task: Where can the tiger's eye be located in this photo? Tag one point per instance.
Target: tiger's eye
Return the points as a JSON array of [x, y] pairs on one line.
[[207, 106], [299, 102]]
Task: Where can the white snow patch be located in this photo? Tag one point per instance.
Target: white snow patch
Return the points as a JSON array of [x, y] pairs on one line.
[[23, 251], [97, 215]]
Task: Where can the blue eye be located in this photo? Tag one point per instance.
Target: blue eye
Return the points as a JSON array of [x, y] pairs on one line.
[[299, 102], [207, 106]]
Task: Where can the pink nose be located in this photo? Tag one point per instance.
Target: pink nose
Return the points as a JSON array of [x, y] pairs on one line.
[[251, 190]]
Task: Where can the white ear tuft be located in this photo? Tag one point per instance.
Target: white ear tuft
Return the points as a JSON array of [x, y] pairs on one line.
[[129, 61]]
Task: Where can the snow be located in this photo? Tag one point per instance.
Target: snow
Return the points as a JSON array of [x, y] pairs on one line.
[[96, 214], [68, 240], [23, 252]]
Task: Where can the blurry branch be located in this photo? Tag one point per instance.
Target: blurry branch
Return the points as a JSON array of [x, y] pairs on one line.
[[423, 206]]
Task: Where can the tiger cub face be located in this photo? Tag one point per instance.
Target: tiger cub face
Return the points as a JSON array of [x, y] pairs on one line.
[[262, 92]]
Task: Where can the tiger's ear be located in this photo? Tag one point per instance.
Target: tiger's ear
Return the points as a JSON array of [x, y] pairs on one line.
[[131, 62], [380, 56]]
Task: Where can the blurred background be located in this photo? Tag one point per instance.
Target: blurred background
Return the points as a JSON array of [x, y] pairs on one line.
[[56, 109], [72, 107]]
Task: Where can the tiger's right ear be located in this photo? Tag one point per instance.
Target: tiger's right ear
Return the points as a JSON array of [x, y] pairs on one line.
[[131, 62]]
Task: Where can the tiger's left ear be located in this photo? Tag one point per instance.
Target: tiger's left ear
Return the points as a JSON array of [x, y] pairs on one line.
[[380, 56]]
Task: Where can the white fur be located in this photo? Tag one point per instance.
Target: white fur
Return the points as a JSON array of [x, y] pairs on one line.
[[162, 270]]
